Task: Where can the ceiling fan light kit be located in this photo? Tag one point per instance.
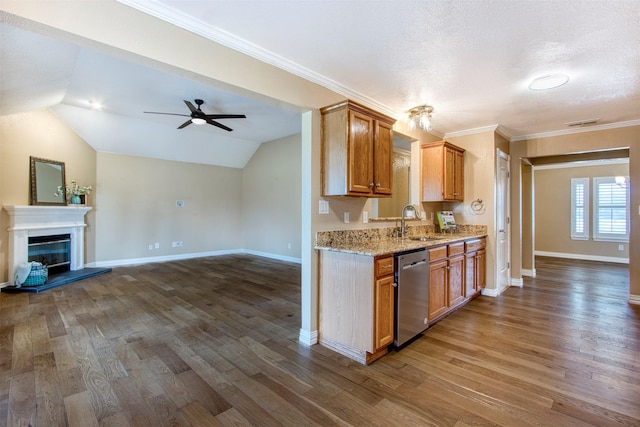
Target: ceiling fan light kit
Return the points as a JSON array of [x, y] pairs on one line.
[[420, 117], [198, 117]]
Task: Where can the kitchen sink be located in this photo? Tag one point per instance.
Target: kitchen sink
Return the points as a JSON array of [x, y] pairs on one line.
[[424, 238]]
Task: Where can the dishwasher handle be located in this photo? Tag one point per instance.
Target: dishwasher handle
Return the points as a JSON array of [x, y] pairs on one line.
[[414, 264]]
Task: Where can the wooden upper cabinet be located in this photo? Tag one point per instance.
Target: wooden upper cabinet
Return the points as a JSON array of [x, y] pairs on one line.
[[357, 151], [442, 172]]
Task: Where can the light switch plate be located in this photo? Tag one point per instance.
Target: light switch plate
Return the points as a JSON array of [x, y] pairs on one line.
[[365, 217], [346, 217], [323, 207]]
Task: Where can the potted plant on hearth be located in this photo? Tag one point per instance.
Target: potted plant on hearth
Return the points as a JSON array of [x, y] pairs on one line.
[[75, 194]]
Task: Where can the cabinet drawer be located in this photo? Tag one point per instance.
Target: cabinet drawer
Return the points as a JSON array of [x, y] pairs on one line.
[[456, 248], [384, 266], [437, 253], [475, 245]]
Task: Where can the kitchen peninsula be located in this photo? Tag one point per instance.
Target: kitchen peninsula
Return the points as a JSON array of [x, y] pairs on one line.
[[358, 279]]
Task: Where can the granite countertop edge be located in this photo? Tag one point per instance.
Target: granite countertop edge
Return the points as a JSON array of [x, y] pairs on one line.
[[391, 246]]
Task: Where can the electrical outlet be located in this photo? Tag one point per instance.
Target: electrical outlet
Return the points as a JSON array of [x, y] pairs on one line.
[[365, 217], [288, 245], [157, 245], [150, 247], [346, 217], [174, 244], [621, 247]]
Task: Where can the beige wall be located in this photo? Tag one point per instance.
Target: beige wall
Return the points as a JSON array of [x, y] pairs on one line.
[[136, 206], [479, 183], [41, 134], [553, 211], [271, 198], [606, 139]]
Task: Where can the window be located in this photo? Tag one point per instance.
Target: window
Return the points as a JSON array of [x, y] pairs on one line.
[[611, 209], [579, 208]]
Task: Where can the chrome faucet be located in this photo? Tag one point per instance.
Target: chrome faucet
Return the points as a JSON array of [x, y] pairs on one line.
[[404, 211]]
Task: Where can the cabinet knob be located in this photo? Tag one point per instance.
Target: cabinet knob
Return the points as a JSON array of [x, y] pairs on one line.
[[371, 185], [378, 185], [395, 285]]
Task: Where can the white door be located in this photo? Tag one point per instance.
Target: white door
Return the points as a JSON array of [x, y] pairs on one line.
[[502, 222]]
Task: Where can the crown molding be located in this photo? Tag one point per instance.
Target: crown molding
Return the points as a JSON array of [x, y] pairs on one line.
[[577, 130], [492, 128], [187, 22]]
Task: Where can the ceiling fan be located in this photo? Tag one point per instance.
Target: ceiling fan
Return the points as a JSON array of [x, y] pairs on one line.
[[198, 117]]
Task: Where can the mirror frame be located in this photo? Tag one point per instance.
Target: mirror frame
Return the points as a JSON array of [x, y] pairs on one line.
[[38, 199]]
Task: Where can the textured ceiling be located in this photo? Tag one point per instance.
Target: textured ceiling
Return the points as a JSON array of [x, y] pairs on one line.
[[471, 59]]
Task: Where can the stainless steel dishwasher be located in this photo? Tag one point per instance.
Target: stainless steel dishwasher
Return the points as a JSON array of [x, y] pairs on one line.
[[412, 295]]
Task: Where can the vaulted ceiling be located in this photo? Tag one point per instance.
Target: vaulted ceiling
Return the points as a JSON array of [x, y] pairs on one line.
[[472, 60]]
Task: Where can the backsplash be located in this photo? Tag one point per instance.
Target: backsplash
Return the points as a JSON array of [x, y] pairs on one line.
[[340, 237]]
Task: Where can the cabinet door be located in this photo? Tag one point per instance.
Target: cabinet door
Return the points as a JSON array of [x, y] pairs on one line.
[[383, 159], [458, 176], [360, 162], [383, 315], [438, 292], [481, 269], [456, 280], [470, 273], [449, 188]]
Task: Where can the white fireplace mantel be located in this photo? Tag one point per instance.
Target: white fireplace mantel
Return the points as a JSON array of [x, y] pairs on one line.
[[30, 221]]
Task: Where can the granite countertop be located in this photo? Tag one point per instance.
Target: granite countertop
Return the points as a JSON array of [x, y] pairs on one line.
[[375, 245]]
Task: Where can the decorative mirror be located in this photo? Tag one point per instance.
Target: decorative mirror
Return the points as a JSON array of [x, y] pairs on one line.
[[46, 177]]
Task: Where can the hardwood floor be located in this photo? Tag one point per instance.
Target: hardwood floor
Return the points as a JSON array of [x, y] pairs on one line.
[[213, 341]]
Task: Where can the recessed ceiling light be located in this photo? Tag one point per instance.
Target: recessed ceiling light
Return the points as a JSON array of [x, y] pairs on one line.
[[548, 82], [95, 104]]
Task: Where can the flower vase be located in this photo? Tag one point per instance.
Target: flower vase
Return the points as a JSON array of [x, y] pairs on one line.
[[75, 200]]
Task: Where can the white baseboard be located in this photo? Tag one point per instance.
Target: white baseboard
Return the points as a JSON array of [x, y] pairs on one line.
[[517, 282], [178, 257], [618, 260], [528, 273], [489, 292], [273, 256], [634, 299], [308, 338], [494, 292]]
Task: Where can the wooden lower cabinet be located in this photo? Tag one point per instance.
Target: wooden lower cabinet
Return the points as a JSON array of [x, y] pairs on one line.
[[357, 295], [475, 266], [438, 293], [383, 313], [451, 272], [357, 302]]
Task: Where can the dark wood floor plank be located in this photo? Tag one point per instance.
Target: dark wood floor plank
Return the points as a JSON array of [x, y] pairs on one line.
[[50, 401], [213, 341]]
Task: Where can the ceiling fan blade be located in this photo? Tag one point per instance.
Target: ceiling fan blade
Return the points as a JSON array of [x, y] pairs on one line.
[[168, 114], [225, 116], [185, 124], [190, 105], [220, 125]]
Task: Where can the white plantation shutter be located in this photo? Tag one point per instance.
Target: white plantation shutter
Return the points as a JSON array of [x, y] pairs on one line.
[[579, 208], [611, 213]]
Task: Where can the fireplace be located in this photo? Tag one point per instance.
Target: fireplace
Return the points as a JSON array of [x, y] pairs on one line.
[[53, 251], [32, 224]]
